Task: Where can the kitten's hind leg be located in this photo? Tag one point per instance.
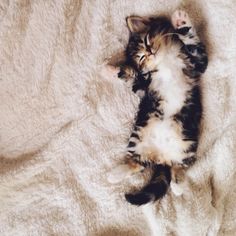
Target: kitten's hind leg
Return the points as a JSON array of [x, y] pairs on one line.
[[131, 164], [125, 170]]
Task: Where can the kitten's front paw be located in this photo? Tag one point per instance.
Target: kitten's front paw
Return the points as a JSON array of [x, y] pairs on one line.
[[126, 73], [180, 19], [109, 71]]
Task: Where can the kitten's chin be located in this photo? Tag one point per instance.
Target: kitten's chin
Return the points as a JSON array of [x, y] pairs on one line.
[[145, 70]]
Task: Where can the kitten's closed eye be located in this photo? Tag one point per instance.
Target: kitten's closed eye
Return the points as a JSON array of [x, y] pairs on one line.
[[142, 58]]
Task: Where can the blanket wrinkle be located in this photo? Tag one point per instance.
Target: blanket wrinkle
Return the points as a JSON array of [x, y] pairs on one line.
[[65, 121]]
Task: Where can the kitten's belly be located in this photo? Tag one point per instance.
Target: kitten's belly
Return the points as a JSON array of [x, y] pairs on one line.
[[163, 141]]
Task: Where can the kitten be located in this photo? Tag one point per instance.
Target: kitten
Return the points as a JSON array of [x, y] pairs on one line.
[[164, 61]]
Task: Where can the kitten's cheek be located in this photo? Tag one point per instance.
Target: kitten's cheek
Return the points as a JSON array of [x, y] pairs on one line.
[[150, 63], [152, 57]]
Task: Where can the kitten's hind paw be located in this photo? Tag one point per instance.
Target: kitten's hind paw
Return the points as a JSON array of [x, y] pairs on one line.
[[124, 171], [119, 173], [180, 19]]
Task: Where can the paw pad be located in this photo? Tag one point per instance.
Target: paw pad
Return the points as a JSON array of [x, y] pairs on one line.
[[180, 19]]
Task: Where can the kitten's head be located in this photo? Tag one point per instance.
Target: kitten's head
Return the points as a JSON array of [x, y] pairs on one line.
[[148, 40]]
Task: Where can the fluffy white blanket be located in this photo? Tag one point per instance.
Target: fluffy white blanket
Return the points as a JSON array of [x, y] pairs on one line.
[[64, 125]]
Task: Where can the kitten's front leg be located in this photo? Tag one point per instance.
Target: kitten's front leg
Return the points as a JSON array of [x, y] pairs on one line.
[[127, 73], [109, 71], [137, 81], [193, 48]]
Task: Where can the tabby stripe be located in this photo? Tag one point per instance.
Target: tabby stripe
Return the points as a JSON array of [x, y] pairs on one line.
[[131, 144], [134, 135]]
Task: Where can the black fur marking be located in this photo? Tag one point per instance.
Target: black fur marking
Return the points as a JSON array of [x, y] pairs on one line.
[[141, 82], [131, 152], [160, 25], [190, 115], [189, 161], [183, 30], [196, 53], [136, 157], [148, 105], [192, 148], [131, 144], [134, 135], [121, 74]]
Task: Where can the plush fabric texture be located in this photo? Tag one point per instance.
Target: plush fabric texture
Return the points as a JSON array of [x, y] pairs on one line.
[[64, 125]]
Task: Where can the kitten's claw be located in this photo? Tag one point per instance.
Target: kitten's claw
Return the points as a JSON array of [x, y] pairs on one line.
[[180, 19]]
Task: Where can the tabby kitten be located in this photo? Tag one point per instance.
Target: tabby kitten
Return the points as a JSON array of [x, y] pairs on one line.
[[164, 60]]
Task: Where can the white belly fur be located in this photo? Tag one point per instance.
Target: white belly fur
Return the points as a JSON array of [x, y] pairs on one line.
[[163, 138], [171, 84]]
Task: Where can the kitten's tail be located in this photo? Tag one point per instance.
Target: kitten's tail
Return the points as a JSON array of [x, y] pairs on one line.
[[156, 189]]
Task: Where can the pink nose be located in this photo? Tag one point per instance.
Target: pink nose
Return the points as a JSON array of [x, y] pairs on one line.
[[180, 22]]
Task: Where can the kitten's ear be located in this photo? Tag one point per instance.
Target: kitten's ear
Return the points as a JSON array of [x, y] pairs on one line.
[[137, 24]]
